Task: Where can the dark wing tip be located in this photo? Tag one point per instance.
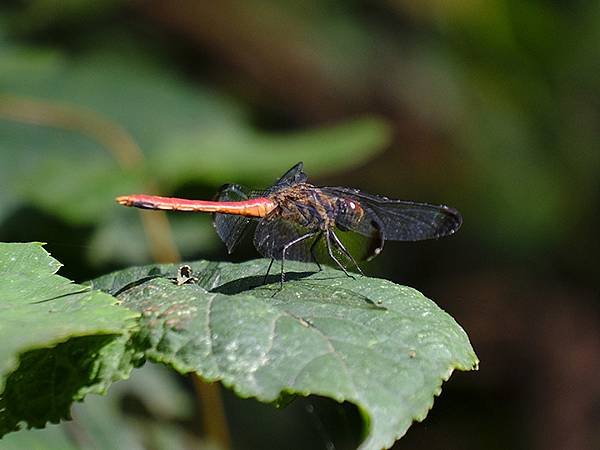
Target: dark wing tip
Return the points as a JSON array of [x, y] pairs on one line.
[[292, 176], [450, 222], [297, 169]]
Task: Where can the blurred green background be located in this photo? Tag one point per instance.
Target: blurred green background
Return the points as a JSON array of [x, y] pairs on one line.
[[491, 106]]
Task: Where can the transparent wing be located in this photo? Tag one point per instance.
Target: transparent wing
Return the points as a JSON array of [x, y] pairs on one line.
[[273, 233], [400, 220], [370, 240], [230, 228]]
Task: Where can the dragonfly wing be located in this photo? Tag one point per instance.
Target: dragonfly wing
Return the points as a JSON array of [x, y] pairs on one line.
[[401, 220], [273, 234], [367, 247], [231, 228], [293, 176]]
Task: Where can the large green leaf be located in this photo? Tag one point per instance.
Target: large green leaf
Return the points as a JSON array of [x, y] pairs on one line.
[[243, 154], [384, 347], [60, 340]]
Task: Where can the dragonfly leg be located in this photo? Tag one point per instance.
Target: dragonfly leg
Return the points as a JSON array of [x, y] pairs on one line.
[[285, 249], [345, 251], [330, 251], [312, 250], [268, 270]]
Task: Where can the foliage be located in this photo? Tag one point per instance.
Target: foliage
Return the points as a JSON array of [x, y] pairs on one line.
[[384, 347], [78, 130], [60, 341], [100, 422]]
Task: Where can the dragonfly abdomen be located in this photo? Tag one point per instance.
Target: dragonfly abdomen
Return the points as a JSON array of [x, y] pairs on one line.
[[255, 207]]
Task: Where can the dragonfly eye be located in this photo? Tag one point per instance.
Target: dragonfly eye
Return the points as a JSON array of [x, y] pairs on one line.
[[348, 214], [354, 208]]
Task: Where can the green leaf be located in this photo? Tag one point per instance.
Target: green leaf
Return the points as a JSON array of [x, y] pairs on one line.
[[121, 237], [243, 154], [107, 425], [53, 437], [384, 347], [103, 423], [64, 173], [60, 340], [187, 132]]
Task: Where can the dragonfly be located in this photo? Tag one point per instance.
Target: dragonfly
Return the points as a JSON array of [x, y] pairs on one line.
[[293, 218]]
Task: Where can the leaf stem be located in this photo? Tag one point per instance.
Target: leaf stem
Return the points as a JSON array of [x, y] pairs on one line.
[[110, 135], [55, 114], [214, 421]]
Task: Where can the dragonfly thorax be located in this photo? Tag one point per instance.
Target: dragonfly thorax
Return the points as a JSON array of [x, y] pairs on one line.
[[305, 205]]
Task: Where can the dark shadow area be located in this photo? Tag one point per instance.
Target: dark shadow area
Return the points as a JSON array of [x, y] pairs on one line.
[[135, 283], [255, 281], [305, 423], [338, 295], [73, 366], [63, 240]]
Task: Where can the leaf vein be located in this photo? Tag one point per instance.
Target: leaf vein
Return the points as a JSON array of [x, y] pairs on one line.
[[264, 358], [209, 333], [332, 350]]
